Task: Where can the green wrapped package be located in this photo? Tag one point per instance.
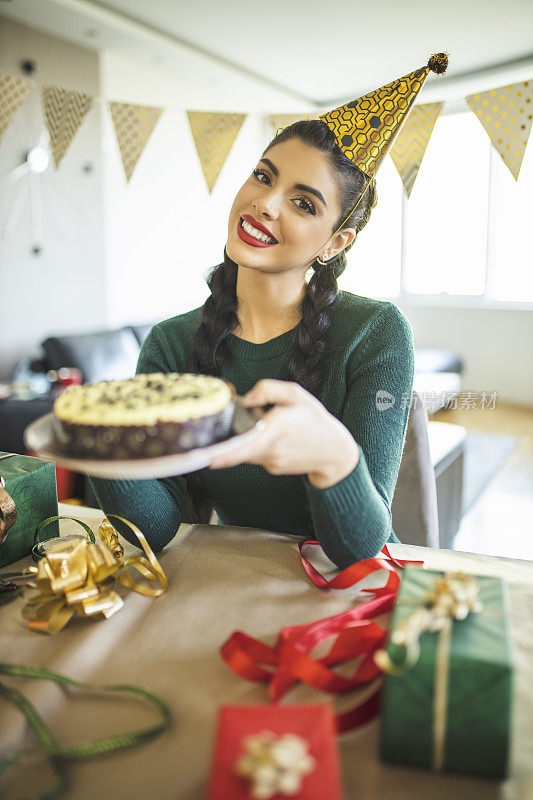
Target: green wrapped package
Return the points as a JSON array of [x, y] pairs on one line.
[[31, 483], [451, 708]]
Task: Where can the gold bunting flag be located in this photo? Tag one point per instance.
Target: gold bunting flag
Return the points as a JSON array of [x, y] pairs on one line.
[[410, 144], [13, 92], [133, 126], [214, 134], [506, 115], [278, 121], [64, 111], [366, 128]]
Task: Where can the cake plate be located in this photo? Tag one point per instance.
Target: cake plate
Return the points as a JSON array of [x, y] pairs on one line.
[[40, 439]]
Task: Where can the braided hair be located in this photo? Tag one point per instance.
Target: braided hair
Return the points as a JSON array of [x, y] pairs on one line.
[[307, 357]]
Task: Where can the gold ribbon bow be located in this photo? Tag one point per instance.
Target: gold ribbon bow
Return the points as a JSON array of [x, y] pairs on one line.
[[76, 575], [454, 596], [274, 765]]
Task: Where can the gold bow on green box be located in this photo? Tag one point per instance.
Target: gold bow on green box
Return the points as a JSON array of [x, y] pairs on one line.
[[446, 701]]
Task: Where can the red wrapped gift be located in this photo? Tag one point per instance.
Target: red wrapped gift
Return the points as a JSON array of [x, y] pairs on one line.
[[315, 724]]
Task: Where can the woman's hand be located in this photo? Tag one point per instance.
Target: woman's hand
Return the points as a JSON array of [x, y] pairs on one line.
[[300, 437]]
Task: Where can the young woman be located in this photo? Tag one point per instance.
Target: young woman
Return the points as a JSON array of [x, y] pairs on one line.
[[337, 367]]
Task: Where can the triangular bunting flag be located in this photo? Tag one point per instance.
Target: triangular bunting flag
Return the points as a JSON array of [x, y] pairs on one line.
[[506, 115], [278, 121], [410, 145], [214, 134], [64, 111], [13, 90], [133, 126]]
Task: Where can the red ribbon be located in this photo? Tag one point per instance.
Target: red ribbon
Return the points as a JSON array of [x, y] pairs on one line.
[[356, 635]]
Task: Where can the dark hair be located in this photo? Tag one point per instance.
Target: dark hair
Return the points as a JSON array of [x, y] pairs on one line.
[[307, 356]]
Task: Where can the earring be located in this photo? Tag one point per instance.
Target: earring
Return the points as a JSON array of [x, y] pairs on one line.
[[325, 257]]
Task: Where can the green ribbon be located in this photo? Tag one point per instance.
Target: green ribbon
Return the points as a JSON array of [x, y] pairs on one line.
[[9, 590], [57, 755], [36, 554]]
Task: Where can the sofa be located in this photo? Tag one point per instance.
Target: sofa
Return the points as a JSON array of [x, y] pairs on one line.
[[100, 355], [113, 354]]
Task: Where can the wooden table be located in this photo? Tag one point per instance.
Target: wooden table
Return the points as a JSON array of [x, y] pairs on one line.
[[222, 579]]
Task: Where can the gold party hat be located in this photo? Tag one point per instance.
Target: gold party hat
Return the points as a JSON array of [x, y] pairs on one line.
[[366, 128]]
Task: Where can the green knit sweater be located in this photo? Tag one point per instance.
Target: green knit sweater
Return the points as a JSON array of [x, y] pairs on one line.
[[372, 357]]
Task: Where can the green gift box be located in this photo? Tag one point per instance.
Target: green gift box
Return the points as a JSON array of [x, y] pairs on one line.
[[449, 706], [31, 484]]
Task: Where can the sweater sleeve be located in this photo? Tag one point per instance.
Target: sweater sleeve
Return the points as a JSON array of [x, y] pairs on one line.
[[352, 519], [155, 505]]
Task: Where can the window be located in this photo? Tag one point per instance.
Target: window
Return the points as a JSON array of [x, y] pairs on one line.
[[465, 227], [510, 252], [446, 225]]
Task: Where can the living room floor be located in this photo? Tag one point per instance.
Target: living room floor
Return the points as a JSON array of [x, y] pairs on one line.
[[500, 521]]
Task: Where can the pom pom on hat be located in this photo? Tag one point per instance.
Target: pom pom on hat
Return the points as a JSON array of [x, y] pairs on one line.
[[438, 63]]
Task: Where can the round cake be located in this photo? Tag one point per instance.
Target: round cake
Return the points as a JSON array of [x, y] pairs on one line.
[[146, 416]]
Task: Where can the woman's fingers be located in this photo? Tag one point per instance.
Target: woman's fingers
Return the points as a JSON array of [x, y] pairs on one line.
[[251, 453], [269, 390]]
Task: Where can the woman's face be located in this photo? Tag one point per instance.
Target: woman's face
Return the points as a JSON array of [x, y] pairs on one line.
[[292, 194]]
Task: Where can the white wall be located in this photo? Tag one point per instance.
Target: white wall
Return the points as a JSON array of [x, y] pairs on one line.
[[63, 289], [495, 345], [164, 229], [132, 252]]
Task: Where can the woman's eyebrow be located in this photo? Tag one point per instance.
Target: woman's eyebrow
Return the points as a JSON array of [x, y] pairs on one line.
[[301, 186]]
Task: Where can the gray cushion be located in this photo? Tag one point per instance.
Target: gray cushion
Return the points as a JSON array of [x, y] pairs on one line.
[[414, 505], [141, 331], [432, 360]]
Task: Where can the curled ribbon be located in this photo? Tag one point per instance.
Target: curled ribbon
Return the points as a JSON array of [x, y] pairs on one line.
[[78, 576], [149, 567], [357, 634]]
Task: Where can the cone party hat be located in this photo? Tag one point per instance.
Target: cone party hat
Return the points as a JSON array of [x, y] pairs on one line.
[[366, 128]]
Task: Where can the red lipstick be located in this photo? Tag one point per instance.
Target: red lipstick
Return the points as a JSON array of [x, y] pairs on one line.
[[258, 225], [241, 233]]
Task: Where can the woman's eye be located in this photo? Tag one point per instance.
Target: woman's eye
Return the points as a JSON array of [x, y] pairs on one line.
[[258, 172], [308, 207]]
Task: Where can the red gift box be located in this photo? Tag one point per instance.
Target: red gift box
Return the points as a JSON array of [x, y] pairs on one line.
[[313, 723]]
